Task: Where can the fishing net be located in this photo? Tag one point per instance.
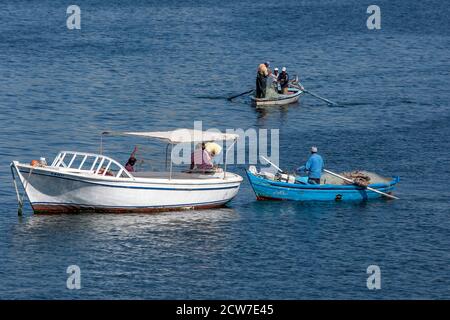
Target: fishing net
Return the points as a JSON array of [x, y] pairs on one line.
[[271, 90], [361, 177]]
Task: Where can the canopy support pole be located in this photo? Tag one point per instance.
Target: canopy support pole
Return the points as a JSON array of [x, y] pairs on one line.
[[167, 149], [226, 157], [170, 174]]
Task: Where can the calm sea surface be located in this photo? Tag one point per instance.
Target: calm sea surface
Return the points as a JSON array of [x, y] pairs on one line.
[[152, 65]]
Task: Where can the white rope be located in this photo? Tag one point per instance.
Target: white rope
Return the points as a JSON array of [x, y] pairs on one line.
[[25, 189], [15, 184]]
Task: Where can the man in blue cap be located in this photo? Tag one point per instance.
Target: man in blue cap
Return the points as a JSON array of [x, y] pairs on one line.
[[314, 167]]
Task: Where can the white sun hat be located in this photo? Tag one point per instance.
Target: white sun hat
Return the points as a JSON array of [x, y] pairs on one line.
[[283, 69], [213, 148]]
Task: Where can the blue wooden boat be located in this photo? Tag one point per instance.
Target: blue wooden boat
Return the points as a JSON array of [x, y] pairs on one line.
[[284, 187]]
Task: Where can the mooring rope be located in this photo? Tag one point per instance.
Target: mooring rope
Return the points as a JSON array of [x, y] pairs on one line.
[[15, 184], [24, 191]]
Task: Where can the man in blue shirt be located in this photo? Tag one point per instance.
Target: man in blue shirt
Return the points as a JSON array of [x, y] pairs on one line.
[[314, 167]]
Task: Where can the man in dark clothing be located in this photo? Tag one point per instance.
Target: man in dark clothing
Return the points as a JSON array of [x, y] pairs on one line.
[[261, 80], [283, 79]]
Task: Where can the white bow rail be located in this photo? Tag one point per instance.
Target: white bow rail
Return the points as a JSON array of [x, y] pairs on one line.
[[90, 163]]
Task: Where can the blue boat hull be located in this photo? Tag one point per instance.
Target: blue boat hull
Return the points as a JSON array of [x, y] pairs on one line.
[[275, 190]]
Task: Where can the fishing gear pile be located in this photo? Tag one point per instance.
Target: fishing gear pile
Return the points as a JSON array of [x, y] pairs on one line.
[[360, 178]]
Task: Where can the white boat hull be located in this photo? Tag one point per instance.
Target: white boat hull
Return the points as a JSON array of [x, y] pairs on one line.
[[51, 191], [282, 99]]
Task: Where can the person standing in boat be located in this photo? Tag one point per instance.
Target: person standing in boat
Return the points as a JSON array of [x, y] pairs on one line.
[[314, 167], [283, 79], [261, 80], [129, 166]]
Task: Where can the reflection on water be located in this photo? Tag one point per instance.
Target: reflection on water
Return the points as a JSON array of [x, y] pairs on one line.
[[265, 111], [167, 230], [206, 220], [125, 251]]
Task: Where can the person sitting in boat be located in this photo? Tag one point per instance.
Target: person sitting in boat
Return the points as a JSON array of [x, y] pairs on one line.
[[274, 77], [202, 157], [314, 167], [261, 79], [129, 166], [283, 79]]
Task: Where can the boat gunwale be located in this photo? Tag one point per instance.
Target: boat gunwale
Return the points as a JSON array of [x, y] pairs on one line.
[[280, 98], [100, 180]]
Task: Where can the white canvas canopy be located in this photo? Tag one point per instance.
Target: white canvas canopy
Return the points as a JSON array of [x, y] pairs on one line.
[[180, 135]]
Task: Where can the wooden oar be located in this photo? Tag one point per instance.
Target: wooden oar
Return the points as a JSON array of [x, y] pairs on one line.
[[319, 97], [275, 166], [352, 181], [283, 172], [315, 95], [238, 95]]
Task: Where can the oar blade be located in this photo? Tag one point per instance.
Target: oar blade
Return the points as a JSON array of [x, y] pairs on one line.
[[321, 98], [238, 95]]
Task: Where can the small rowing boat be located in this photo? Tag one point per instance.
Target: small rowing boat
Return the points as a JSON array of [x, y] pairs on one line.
[[79, 181], [278, 99], [288, 187]]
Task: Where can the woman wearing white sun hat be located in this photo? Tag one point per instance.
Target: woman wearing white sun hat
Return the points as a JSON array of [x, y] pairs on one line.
[[201, 158]]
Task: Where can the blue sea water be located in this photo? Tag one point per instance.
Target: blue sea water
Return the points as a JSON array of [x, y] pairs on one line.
[[153, 65]]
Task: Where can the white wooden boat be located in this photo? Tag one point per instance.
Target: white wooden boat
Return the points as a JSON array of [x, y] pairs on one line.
[[281, 99], [78, 181]]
